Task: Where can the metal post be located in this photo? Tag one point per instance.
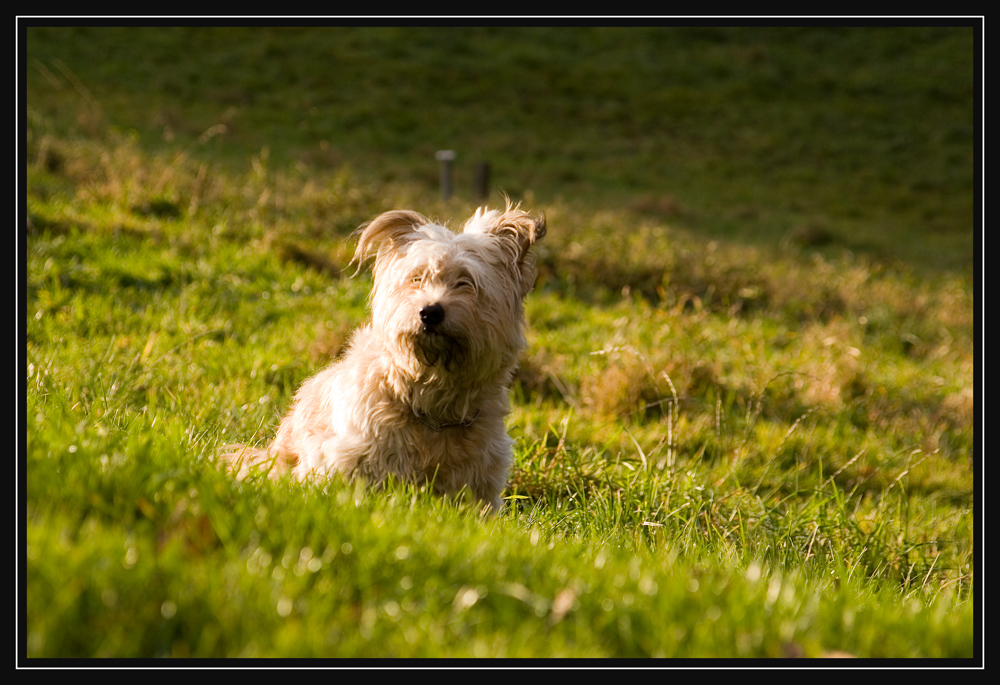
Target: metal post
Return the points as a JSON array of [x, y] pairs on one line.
[[446, 157], [482, 188]]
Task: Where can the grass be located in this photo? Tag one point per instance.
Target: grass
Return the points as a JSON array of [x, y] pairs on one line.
[[819, 137], [744, 425]]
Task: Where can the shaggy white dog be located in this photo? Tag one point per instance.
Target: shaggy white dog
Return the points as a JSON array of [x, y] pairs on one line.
[[422, 391]]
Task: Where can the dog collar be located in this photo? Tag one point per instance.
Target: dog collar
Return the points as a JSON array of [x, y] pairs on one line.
[[441, 425]]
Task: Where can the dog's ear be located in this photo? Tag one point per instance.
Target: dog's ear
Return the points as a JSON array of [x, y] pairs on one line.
[[525, 229], [387, 232], [517, 231]]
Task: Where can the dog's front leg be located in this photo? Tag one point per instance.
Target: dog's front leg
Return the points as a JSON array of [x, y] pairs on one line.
[[324, 454]]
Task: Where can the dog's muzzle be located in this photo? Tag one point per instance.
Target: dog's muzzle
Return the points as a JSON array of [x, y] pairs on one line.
[[433, 345]]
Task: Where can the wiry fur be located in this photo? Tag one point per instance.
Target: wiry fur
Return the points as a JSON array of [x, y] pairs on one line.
[[422, 390]]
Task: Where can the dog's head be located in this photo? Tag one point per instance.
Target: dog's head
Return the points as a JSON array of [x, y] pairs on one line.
[[453, 301]]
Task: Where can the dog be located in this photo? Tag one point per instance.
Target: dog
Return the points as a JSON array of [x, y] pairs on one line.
[[422, 391]]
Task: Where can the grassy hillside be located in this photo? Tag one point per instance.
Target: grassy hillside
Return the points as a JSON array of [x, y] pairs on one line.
[[824, 137], [744, 423]]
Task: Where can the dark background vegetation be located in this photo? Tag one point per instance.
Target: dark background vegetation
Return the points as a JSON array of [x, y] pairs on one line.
[[827, 137]]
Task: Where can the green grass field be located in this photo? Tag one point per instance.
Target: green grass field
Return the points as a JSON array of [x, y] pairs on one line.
[[745, 422]]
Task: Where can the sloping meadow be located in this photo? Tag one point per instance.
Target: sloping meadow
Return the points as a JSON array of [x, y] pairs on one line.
[[715, 443], [723, 448]]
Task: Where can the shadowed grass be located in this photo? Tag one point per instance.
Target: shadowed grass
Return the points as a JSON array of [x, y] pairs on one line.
[[824, 138]]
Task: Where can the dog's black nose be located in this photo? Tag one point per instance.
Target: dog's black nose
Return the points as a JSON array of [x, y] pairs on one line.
[[431, 316]]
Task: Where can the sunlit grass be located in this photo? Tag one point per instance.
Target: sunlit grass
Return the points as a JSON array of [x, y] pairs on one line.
[[722, 450]]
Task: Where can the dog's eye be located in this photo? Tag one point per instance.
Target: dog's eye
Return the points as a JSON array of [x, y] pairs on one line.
[[465, 283]]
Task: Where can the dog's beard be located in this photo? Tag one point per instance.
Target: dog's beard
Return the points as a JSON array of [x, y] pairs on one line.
[[438, 349]]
